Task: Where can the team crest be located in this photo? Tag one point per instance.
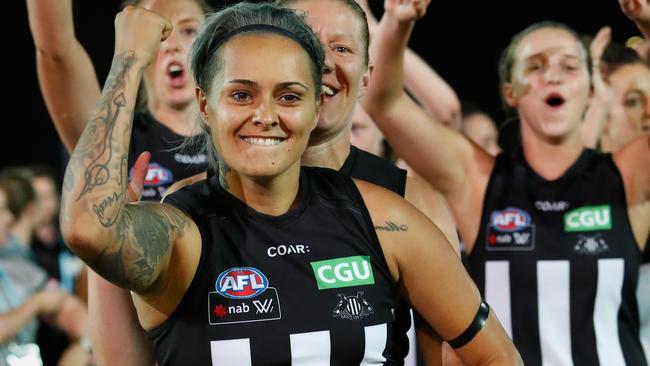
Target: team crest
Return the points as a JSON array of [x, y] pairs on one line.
[[590, 245], [352, 307], [510, 229]]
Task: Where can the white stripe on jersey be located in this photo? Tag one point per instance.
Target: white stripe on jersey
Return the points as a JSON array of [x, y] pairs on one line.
[[307, 349], [235, 352], [607, 303], [554, 314], [411, 358], [375, 345], [310, 349], [497, 291], [643, 297]]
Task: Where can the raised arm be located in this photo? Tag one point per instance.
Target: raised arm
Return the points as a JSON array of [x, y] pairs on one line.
[[424, 83], [128, 244], [434, 280], [431, 90], [65, 72], [448, 161], [602, 98]]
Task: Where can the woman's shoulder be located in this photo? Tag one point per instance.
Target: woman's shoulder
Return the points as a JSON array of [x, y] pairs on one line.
[[383, 203]]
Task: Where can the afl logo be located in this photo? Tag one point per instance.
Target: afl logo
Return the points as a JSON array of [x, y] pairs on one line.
[[157, 175], [241, 283], [510, 219]]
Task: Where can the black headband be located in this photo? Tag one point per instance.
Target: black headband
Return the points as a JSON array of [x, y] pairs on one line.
[[218, 41]]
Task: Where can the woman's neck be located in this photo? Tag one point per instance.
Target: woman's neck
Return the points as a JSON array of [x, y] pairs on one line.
[[271, 196], [330, 153], [181, 121], [551, 159]]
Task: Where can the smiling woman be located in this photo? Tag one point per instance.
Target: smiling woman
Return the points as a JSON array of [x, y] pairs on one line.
[[281, 103], [210, 268]]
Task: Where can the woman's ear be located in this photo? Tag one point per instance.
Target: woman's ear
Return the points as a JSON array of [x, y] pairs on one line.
[[365, 80], [202, 103], [509, 95]]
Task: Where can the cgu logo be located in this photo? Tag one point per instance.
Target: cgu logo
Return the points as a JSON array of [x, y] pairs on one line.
[[241, 283], [588, 218], [510, 219], [343, 272], [157, 175]]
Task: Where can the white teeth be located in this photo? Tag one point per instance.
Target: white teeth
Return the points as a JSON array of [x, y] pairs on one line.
[[175, 68], [263, 141], [328, 90]]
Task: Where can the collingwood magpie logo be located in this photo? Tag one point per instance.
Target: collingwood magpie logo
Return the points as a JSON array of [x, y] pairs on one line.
[[352, 307], [590, 245]]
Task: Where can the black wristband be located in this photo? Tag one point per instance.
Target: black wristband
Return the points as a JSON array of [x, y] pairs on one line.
[[472, 330]]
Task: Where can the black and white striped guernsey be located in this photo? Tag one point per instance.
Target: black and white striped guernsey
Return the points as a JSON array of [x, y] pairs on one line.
[[558, 263], [307, 287]]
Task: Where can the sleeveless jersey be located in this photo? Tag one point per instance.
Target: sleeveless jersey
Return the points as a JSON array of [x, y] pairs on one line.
[[308, 287], [558, 263], [365, 166], [371, 168], [168, 163]]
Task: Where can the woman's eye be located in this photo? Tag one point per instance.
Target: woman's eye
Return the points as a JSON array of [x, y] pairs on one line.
[[570, 67], [290, 98], [190, 31], [240, 96], [632, 102], [341, 49], [534, 67]]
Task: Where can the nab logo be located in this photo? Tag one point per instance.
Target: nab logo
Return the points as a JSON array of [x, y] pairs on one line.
[[588, 218], [241, 283], [509, 220], [157, 175]]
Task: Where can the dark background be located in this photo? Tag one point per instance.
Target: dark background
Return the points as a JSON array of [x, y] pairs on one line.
[[462, 41]]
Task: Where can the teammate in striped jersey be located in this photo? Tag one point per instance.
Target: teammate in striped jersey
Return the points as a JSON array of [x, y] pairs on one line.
[[555, 232], [258, 71]]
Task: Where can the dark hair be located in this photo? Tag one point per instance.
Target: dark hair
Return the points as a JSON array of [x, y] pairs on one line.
[[358, 11], [257, 18], [20, 193], [617, 55], [507, 59]]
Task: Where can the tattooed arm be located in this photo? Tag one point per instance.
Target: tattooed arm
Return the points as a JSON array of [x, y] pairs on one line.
[[432, 278], [129, 244]]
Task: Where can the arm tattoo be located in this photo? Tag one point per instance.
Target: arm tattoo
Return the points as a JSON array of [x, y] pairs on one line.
[[136, 239], [145, 232], [97, 142], [391, 226], [111, 206]]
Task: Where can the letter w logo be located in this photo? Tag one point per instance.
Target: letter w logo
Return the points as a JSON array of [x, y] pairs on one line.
[[263, 307], [521, 238]]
